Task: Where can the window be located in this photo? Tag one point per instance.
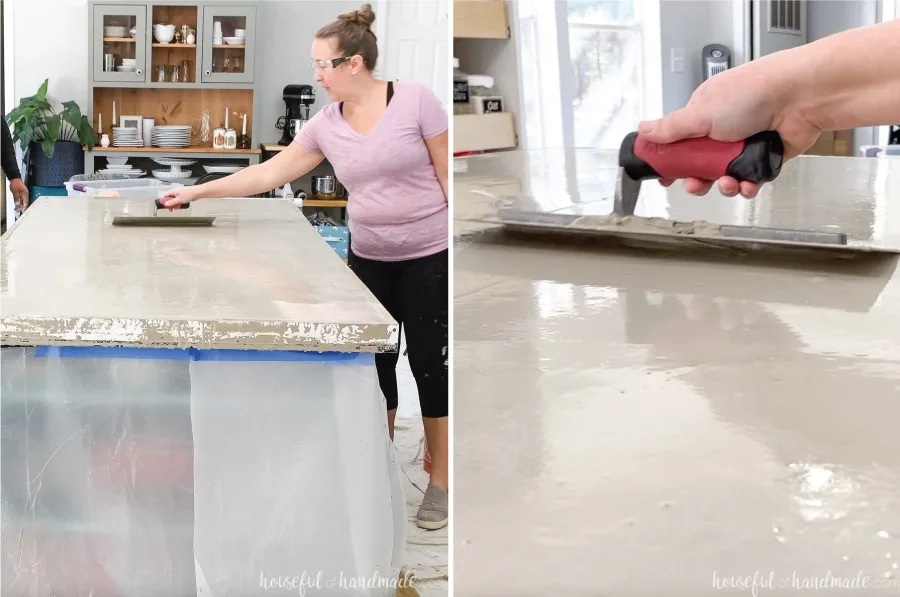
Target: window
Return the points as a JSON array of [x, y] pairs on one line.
[[606, 56], [590, 70]]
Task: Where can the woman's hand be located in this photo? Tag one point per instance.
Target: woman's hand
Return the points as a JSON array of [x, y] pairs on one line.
[[733, 105], [178, 196], [20, 194]]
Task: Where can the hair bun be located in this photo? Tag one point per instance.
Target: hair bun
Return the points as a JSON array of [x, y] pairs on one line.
[[364, 16]]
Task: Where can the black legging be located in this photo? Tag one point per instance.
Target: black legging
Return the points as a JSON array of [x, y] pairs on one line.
[[415, 293]]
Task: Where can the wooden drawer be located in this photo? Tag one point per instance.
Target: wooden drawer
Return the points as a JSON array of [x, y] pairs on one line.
[[476, 132], [483, 19]]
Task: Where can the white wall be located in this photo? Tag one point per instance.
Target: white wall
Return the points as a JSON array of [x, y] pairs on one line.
[[691, 25], [51, 42], [285, 31]]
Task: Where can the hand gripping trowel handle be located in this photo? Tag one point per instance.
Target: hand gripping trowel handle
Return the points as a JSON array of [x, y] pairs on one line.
[[161, 205], [755, 159]]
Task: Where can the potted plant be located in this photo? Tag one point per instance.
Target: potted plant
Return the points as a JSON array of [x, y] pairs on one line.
[[53, 140]]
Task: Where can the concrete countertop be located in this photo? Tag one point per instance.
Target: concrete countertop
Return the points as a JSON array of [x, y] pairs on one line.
[[260, 278], [628, 424]]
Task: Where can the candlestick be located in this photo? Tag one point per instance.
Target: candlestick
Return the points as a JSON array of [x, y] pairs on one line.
[[100, 130], [114, 113], [226, 118], [244, 127]]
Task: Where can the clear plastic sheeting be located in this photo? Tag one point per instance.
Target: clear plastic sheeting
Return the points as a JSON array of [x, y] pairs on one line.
[[168, 472]]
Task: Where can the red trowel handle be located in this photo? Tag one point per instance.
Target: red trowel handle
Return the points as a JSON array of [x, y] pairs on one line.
[[755, 159]]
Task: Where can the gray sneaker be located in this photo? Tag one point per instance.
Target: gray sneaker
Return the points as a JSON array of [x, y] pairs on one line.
[[434, 511]]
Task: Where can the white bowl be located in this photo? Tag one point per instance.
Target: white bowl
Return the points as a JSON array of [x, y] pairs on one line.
[[116, 161], [114, 31], [127, 61], [164, 35], [234, 41], [242, 33]]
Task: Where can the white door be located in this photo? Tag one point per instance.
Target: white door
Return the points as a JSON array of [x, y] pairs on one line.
[[413, 43], [777, 25]]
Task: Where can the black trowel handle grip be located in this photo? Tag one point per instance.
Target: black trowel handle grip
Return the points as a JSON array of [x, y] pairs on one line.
[[755, 159], [161, 205]]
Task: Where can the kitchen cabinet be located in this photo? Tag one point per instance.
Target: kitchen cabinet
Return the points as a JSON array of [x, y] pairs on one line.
[[186, 61], [226, 57], [119, 31], [223, 52]]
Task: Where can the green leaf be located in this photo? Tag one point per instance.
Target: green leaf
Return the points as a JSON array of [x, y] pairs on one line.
[[72, 114], [86, 133], [52, 130], [24, 135], [42, 91], [49, 147]]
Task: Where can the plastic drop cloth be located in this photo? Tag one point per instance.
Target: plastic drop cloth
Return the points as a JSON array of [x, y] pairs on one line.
[[142, 472]]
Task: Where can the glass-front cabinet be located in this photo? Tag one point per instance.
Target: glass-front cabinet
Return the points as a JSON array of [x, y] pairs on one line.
[[120, 43], [228, 44]]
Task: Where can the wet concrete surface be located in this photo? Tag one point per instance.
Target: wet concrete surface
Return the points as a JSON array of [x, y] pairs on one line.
[[629, 423], [260, 278]]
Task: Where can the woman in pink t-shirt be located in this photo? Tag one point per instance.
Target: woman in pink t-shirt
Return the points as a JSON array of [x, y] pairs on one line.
[[388, 143]]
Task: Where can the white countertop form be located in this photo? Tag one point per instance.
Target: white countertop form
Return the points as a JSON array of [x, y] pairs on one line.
[[260, 278], [629, 424]]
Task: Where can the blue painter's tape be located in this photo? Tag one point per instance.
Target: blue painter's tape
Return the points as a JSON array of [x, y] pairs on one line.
[[194, 354], [112, 352], [283, 355]]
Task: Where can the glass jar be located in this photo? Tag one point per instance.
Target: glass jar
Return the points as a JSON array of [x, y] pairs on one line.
[[461, 103]]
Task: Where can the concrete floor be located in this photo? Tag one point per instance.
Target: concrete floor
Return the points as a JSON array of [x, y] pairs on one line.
[[628, 424]]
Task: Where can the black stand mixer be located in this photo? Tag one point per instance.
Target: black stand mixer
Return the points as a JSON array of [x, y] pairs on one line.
[[297, 99]]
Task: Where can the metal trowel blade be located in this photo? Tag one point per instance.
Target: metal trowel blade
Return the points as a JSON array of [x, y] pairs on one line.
[[659, 232], [162, 222]]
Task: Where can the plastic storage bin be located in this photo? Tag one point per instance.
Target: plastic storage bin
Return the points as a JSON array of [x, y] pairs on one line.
[[135, 188], [183, 472], [337, 237]]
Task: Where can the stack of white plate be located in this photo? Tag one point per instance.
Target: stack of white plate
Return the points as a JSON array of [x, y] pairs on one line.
[[126, 137], [124, 170], [128, 65], [171, 136]]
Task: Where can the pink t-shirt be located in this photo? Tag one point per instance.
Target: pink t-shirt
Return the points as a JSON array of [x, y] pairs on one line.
[[397, 209]]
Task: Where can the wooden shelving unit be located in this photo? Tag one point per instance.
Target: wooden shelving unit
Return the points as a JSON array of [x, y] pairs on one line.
[[325, 203], [481, 34], [166, 150], [174, 46]]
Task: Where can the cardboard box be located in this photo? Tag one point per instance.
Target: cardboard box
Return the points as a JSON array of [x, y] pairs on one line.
[[843, 142], [834, 143]]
